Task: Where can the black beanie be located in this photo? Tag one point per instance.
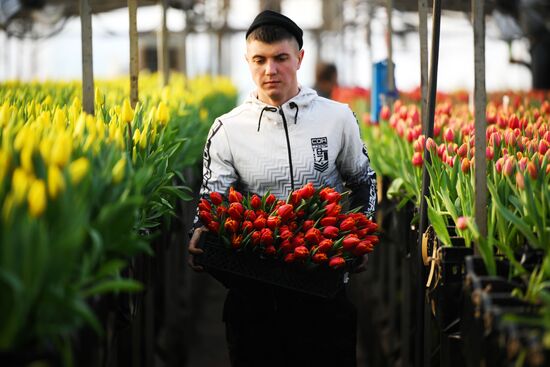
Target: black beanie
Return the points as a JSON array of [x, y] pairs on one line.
[[269, 17]]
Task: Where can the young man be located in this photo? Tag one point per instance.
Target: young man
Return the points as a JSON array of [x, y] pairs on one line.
[[282, 137]]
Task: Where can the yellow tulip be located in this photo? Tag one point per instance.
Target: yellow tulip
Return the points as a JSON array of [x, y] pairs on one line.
[[4, 164], [99, 97], [203, 114], [119, 169], [37, 198], [137, 136], [80, 124], [56, 182], [5, 114], [162, 113], [61, 150], [78, 169], [7, 208], [59, 119], [143, 139], [127, 111], [45, 148], [26, 158], [20, 183], [134, 155]]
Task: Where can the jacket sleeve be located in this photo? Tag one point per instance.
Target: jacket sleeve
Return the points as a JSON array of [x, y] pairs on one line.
[[218, 172], [354, 166]]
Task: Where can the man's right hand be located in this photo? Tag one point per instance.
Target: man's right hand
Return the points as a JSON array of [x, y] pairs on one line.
[[194, 250]]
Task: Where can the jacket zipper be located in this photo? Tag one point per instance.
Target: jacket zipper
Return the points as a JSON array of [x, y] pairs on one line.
[[288, 148]]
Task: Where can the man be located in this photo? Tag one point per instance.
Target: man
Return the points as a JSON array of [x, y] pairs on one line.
[[282, 137], [326, 79]]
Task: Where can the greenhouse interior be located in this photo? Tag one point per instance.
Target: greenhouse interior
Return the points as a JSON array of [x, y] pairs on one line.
[[209, 183]]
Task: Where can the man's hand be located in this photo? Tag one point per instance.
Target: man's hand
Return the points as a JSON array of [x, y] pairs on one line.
[[194, 250], [361, 266]]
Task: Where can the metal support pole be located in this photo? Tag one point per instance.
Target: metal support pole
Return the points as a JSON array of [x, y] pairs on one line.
[[480, 103], [391, 81], [423, 33], [87, 57], [421, 358], [162, 50], [134, 57]]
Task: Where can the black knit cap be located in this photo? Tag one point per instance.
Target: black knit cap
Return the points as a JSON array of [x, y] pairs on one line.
[[269, 17]]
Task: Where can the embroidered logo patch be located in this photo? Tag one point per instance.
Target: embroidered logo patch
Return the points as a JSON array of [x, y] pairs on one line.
[[320, 153]]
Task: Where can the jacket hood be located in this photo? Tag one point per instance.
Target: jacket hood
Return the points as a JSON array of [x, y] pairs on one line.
[[302, 100]]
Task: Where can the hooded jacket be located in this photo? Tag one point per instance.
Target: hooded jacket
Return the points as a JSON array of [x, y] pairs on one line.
[[259, 148]]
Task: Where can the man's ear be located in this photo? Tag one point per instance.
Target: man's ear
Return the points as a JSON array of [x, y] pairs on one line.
[[300, 57]]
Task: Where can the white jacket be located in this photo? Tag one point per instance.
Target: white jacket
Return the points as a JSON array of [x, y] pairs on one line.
[[259, 148]]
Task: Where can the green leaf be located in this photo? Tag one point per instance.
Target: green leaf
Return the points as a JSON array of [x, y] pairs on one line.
[[115, 285], [440, 228]]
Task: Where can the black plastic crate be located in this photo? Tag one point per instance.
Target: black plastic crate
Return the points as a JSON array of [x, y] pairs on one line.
[[244, 269]]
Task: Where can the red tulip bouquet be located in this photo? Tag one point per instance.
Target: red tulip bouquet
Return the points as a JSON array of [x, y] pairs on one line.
[[307, 230]]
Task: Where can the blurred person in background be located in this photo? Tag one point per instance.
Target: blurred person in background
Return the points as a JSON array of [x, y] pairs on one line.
[[326, 79], [282, 137]]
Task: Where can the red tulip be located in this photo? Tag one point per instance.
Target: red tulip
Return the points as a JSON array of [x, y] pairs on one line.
[[285, 233], [270, 250], [543, 147], [213, 226], [330, 232], [205, 217], [286, 246], [220, 211], [371, 239], [489, 153], [286, 212], [385, 113], [431, 145], [319, 258], [332, 210], [347, 224], [270, 200], [247, 226], [236, 241], [333, 197], [350, 241], [260, 223], [417, 159], [307, 191], [462, 223], [325, 245], [235, 196], [231, 225], [266, 237], [216, 198], [337, 262], [449, 135], [273, 222], [301, 253], [256, 236], [298, 240], [205, 205], [313, 236], [328, 221], [308, 224], [295, 198], [362, 248], [462, 150], [255, 202], [250, 215], [236, 211], [289, 258]]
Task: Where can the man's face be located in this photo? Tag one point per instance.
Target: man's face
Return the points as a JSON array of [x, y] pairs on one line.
[[273, 68]]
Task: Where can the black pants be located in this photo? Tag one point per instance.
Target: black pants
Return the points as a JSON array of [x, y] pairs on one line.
[[272, 327]]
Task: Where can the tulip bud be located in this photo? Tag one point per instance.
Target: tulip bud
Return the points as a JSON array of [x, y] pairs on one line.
[[319, 258], [255, 202], [463, 150], [78, 169], [417, 159], [543, 147], [520, 180], [118, 170], [431, 145], [127, 113], [350, 241], [465, 165], [325, 245], [449, 135], [301, 253], [462, 223], [385, 113], [56, 183], [509, 166], [234, 196], [162, 115], [328, 221], [330, 232]]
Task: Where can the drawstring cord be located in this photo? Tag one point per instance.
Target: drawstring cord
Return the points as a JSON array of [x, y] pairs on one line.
[[266, 108], [292, 106]]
